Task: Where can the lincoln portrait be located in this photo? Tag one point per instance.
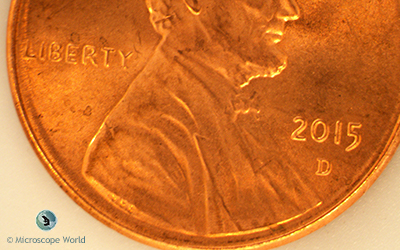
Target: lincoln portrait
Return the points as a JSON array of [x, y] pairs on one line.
[[185, 147]]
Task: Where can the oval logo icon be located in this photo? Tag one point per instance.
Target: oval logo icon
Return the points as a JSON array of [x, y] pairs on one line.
[[46, 220]]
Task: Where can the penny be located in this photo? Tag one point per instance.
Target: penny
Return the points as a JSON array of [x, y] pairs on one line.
[[197, 129]]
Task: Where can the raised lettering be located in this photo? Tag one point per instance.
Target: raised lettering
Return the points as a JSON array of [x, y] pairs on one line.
[[107, 52], [71, 54], [125, 57], [55, 52], [42, 53], [351, 133], [88, 54], [324, 167], [338, 132], [314, 131], [28, 52], [296, 135], [74, 53]]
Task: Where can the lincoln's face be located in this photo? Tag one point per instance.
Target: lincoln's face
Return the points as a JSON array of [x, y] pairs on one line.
[[252, 28], [253, 21], [247, 29]]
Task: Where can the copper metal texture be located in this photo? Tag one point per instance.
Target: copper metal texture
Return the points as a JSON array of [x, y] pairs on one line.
[[209, 124]]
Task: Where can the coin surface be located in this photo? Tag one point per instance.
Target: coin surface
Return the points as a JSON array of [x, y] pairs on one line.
[[265, 158]]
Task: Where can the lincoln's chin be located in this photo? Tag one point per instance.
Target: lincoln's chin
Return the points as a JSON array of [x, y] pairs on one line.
[[269, 64]]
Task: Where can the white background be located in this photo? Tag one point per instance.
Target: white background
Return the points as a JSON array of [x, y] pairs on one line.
[[26, 189]]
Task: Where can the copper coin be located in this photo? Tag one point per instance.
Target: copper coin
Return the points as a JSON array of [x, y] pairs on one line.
[[209, 124]]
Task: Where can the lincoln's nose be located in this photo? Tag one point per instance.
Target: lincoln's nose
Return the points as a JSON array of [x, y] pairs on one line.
[[289, 10]]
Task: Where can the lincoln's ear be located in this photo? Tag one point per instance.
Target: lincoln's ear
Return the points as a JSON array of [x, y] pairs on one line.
[[160, 15], [193, 6]]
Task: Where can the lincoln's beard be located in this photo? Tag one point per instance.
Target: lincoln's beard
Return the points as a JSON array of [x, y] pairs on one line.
[[262, 61], [240, 62]]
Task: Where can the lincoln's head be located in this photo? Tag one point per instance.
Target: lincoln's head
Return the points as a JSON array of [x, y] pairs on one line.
[[238, 37]]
